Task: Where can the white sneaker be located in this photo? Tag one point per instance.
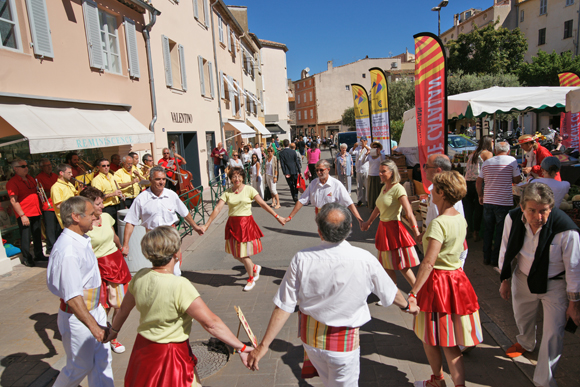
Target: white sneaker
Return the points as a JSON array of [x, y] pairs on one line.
[[257, 269], [250, 285], [379, 303], [117, 347]]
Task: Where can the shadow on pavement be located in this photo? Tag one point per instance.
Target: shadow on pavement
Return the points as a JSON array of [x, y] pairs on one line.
[[293, 232], [217, 280]]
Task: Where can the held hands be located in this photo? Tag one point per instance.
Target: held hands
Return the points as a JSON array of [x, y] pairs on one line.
[[203, 228], [101, 334], [244, 356], [199, 229], [365, 226], [255, 356], [281, 220], [413, 307], [505, 290]]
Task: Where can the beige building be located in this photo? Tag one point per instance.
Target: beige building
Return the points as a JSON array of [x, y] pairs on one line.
[[549, 25]]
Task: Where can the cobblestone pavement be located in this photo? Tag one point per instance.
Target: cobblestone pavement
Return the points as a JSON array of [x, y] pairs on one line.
[[391, 355]]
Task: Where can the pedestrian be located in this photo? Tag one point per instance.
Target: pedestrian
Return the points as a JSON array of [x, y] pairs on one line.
[[343, 168], [312, 156], [115, 275], [235, 161], [374, 156], [534, 154], [395, 245], [272, 177], [26, 205], [543, 241], [73, 275], [246, 156], [557, 145], [330, 284], [474, 210], [127, 178], [243, 236], [497, 173], [300, 146], [256, 174], [62, 189], [550, 169], [106, 183], [291, 167], [46, 179], [258, 151], [323, 190], [449, 310], [358, 152], [167, 306], [219, 166]]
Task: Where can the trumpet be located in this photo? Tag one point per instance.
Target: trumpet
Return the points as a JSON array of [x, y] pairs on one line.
[[42, 194], [117, 185], [87, 164]]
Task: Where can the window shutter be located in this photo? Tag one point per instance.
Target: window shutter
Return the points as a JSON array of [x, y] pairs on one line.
[[167, 61], [206, 12], [195, 9], [220, 29], [201, 78], [182, 66], [232, 96], [222, 83], [229, 38], [39, 28], [91, 15], [211, 87], [132, 53]]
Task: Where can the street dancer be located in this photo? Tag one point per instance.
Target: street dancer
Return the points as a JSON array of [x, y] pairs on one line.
[[330, 283], [242, 233], [73, 275]]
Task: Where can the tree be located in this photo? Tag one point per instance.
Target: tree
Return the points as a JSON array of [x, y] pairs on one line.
[[401, 97], [462, 83], [397, 130], [544, 69], [487, 51], [348, 118]]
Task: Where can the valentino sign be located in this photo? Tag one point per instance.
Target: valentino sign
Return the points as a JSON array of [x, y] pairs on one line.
[[181, 118]]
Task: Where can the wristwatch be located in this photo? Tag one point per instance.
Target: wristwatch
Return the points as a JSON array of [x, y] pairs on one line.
[[406, 308]]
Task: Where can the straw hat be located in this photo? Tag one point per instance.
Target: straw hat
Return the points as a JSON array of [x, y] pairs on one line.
[[526, 138]]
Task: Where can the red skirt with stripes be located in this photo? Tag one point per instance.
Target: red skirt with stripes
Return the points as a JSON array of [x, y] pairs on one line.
[[449, 292], [396, 246], [243, 229]]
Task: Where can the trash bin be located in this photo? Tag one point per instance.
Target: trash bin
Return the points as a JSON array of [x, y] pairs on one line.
[[135, 260]]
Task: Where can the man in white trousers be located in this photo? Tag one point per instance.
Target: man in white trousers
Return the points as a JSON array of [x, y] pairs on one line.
[[73, 275], [361, 165]]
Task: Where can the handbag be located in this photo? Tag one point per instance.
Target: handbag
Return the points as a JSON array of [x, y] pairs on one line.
[[267, 194], [300, 183]]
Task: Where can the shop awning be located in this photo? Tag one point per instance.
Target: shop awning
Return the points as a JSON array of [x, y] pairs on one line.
[[275, 128], [52, 129], [260, 128], [244, 129]]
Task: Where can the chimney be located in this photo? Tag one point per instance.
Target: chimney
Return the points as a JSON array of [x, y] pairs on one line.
[[456, 19], [329, 65]]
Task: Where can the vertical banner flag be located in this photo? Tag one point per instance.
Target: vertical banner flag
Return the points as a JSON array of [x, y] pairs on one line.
[[380, 109], [361, 111], [430, 98], [569, 121]]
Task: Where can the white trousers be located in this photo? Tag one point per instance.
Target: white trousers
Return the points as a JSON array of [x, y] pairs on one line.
[[336, 369], [361, 186], [554, 303], [346, 180], [271, 184], [257, 184], [85, 356]]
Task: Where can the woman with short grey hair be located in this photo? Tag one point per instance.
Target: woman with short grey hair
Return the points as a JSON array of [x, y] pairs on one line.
[[162, 355], [343, 167]]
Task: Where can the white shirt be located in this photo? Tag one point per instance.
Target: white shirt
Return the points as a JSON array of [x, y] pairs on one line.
[[374, 164], [72, 266], [258, 152], [247, 157], [235, 163], [360, 162], [319, 194], [560, 188], [155, 211], [564, 254], [331, 283]]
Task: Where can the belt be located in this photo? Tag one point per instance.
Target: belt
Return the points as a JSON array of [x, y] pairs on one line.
[[90, 298]]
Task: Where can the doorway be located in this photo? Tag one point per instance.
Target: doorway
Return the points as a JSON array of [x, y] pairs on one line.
[[186, 146], [210, 145]]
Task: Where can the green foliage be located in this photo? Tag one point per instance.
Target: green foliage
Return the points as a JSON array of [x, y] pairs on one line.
[[462, 83], [487, 51], [401, 98], [544, 69], [348, 118], [397, 130]]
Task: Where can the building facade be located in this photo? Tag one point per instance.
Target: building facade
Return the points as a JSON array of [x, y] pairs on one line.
[[306, 107]]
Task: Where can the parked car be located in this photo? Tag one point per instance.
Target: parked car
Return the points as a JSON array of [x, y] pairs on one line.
[[348, 138], [459, 144]]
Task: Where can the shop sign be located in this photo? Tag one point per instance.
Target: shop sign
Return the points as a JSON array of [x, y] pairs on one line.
[[181, 118], [98, 142]]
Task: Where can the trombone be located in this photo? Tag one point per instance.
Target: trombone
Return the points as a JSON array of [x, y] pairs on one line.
[[42, 194]]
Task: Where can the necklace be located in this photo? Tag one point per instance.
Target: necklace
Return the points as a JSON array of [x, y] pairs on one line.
[[237, 191], [165, 270]]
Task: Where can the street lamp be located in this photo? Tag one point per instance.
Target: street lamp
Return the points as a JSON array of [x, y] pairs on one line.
[[438, 9]]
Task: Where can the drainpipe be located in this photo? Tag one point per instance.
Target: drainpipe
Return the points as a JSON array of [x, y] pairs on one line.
[[146, 34], [577, 34], [217, 73]]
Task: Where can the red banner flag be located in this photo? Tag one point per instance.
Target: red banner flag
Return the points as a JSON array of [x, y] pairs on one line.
[[569, 121], [430, 98]]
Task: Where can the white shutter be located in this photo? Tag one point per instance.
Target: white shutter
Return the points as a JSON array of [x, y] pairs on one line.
[[222, 84], [182, 66], [93, 31], [232, 96], [39, 28], [167, 61], [229, 38], [221, 29], [206, 12], [195, 9], [201, 77], [211, 88], [132, 53]]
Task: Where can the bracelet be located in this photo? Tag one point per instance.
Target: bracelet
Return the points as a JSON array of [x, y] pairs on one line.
[[288, 219], [113, 329], [415, 226], [412, 295], [243, 349], [276, 216], [406, 308]]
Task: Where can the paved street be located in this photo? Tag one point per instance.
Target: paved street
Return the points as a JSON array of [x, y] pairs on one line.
[[31, 350]]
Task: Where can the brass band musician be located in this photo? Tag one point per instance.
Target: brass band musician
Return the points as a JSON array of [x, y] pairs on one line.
[[128, 178], [170, 164], [62, 189], [46, 179]]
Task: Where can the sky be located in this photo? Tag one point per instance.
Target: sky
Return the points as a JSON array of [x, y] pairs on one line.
[[316, 31]]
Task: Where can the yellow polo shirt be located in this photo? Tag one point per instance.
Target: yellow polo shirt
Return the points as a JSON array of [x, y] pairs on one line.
[[122, 176], [61, 191], [107, 185]]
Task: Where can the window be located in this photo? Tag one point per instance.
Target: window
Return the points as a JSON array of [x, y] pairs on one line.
[[543, 7], [132, 52], [299, 115], [298, 98], [568, 29], [39, 27], [310, 82], [310, 96], [205, 77], [9, 31], [221, 29], [541, 36], [304, 96], [303, 84], [201, 11], [364, 75], [569, 2], [110, 42], [174, 61], [347, 87], [522, 16], [311, 113]]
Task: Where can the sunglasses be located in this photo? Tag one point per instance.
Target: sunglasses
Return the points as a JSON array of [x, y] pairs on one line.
[[21, 166], [105, 166], [321, 169], [425, 166]]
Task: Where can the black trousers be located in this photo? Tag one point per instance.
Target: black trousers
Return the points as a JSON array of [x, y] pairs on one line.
[[128, 202], [53, 229], [292, 184], [112, 210], [33, 230]]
